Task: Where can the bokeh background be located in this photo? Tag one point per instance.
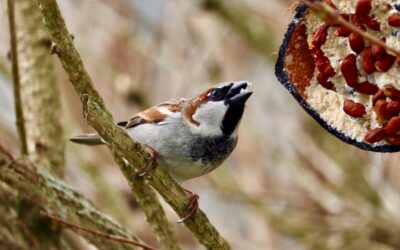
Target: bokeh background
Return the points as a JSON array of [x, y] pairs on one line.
[[288, 185]]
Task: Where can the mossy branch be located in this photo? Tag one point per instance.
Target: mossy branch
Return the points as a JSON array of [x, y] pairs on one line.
[[73, 65], [36, 183], [118, 139]]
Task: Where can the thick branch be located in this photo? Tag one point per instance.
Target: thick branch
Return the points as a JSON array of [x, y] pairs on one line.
[[116, 137], [56, 197], [145, 195]]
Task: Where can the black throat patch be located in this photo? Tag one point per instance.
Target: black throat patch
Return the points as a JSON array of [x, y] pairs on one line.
[[232, 118]]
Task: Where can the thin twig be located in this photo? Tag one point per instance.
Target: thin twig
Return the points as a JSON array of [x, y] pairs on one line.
[[320, 7], [91, 231], [16, 79]]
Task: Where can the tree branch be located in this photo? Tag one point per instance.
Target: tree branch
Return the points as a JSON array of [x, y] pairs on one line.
[[54, 196], [115, 136], [16, 79], [144, 194], [150, 205]]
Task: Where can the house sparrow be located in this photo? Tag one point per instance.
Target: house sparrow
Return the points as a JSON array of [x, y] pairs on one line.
[[188, 137]]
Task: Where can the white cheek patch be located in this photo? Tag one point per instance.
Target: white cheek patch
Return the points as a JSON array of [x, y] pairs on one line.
[[210, 116]]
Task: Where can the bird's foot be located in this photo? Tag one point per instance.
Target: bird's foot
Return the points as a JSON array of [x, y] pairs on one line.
[[152, 161], [193, 205]]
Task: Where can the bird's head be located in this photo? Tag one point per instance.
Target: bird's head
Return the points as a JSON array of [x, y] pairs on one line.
[[218, 110]]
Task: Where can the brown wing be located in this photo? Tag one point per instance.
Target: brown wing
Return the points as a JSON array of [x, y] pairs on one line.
[[155, 114], [174, 105]]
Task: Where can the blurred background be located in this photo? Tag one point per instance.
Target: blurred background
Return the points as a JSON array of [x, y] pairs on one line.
[[288, 185]]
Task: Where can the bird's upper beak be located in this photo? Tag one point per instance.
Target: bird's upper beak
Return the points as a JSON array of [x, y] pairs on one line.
[[237, 93]]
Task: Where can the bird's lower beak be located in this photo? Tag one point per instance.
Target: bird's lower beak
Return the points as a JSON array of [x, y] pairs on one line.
[[240, 98]]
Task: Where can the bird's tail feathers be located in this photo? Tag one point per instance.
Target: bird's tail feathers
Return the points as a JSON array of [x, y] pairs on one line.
[[88, 139]]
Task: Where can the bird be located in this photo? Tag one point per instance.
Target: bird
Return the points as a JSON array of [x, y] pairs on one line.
[[190, 137]]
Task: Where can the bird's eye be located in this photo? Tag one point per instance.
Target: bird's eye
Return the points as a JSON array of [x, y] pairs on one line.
[[215, 93]]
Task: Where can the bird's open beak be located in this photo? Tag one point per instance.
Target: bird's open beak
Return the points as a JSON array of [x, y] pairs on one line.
[[238, 93]]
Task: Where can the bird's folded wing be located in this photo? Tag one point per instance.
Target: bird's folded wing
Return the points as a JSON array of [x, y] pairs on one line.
[[155, 114]]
